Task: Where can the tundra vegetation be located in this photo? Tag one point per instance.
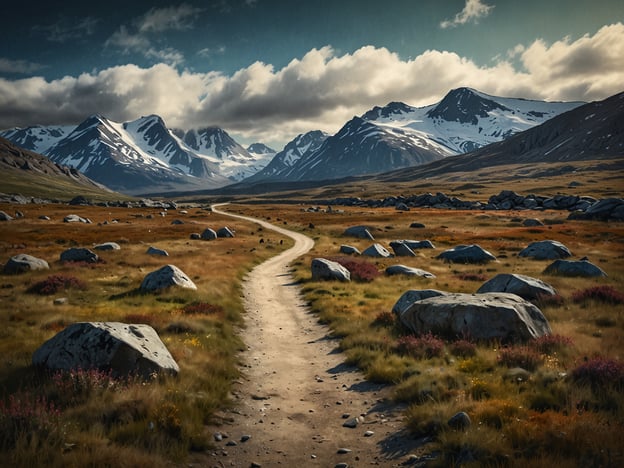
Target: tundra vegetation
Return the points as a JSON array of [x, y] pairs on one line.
[[89, 417], [558, 400], [554, 401]]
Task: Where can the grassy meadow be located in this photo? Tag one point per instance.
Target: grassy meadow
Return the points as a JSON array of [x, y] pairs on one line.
[[89, 418], [566, 408]]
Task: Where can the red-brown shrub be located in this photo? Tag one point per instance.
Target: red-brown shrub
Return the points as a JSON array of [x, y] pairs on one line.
[[463, 348], [548, 343], [420, 347], [56, 283], [384, 319], [600, 371], [204, 308], [520, 356], [360, 270], [607, 294]]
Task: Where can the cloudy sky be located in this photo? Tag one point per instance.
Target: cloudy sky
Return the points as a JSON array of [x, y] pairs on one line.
[[266, 70]]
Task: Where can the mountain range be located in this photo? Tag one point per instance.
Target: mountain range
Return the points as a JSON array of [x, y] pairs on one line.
[[144, 156]]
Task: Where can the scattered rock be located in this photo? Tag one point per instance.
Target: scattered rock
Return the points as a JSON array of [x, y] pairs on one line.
[[169, 275], [44, 218], [79, 255], [524, 286], [369, 434], [72, 218], [177, 221], [195, 236], [460, 421], [574, 268], [79, 200], [415, 245], [402, 207], [5, 217], [361, 232], [414, 295], [532, 222], [349, 250], [107, 246], [545, 250], [417, 225], [466, 254], [343, 451], [377, 250], [60, 301], [518, 374], [405, 270], [208, 234], [487, 316], [323, 269], [225, 232], [22, 263], [401, 249], [351, 423], [156, 251], [125, 349]]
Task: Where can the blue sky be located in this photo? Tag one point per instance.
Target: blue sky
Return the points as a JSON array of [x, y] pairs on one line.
[[269, 69]]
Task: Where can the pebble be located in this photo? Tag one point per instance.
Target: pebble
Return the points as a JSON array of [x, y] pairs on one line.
[[341, 465], [255, 465], [351, 423], [343, 450], [369, 434], [218, 437], [231, 443], [245, 438]]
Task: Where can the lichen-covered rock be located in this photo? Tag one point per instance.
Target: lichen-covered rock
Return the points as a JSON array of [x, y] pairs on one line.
[[409, 271], [209, 234], [466, 254], [323, 269], [21, 263], [574, 268], [107, 246], [156, 251], [524, 286], [361, 232], [377, 250], [488, 316], [76, 254], [225, 232], [125, 349], [414, 295], [165, 277], [545, 250]]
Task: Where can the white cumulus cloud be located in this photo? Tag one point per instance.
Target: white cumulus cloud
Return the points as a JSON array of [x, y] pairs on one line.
[[320, 90], [472, 12]]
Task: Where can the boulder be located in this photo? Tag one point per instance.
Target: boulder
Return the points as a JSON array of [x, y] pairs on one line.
[[532, 222], [401, 249], [21, 263], [377, 250], [323, 269], [414, 295], [466, 254], [409, 271], [545, 250], [349, 250], [415, 245], [76, 254], [574, 268], [208, 234], [225, 232], [488, 316], [72, 218], [124, 349], [361, 232], [524, 286], [165, 277], [402, 207], [107, 246], [459, 421], [156, 251], [5, 217]]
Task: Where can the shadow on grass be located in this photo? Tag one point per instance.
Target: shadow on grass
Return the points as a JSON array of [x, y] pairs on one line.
[[137, 292]]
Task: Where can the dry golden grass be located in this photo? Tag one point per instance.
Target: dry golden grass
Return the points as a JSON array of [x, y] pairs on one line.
[[153, 423]]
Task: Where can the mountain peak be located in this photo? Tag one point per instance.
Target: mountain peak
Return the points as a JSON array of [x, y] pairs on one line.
[[390, 109], [260, 148], [464, 105]]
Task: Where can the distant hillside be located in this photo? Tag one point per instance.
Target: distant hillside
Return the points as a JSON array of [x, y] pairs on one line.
[[30, 174]]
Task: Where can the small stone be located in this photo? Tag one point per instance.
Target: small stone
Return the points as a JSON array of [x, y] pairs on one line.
[[369, 434], [351, 423], [245, 438], [343, 450], [60, 301], [341, 465], [460, 421], [231, 443], [345, 416], [218, 437], [255, 465]]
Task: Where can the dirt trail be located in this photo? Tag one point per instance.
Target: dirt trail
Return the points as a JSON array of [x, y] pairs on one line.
[[296, 392]]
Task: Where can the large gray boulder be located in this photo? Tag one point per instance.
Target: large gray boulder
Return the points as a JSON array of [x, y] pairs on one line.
[[401, 249], [76, 254], [323, 269], [361, 232], [209, 234], [574, 268], [225, 232], [488, 316], [414, 295], [125, 349], [545, 250], [524, 286], [107, 246], [21, 263], [151, 250], [377, 250], [165, 277], [466, 254], [349, 250], [409, 271]]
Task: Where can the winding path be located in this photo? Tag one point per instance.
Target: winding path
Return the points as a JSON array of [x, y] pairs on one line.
[[296, 392]]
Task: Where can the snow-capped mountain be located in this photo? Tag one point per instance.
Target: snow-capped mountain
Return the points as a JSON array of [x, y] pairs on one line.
[[260, 148], [38, 138], [398, 135], [282, 163]]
